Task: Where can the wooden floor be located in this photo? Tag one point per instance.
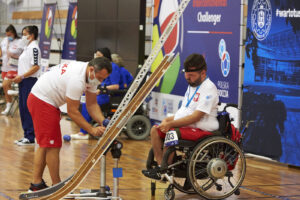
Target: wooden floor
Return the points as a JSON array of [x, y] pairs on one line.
[[264, 180]]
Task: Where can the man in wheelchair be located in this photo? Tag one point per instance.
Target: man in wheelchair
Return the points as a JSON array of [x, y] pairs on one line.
[[196, 118]]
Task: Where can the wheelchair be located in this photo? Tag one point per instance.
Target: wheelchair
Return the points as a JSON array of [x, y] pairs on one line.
[[138, 127], [213, 167]]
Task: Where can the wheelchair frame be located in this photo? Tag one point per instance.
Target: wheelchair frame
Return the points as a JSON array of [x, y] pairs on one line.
[[213, 167]]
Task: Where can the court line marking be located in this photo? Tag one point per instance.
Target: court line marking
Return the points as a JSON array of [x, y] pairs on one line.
[[5, 196]]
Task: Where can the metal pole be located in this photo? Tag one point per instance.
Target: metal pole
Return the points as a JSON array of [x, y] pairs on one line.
[[116, 183], [103, 174]]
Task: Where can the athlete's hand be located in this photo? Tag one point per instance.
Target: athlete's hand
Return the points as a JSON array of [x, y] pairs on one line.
[[164, 127], [98, 131]]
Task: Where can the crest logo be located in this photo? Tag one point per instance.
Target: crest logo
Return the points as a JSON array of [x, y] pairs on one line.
[[225, 58], [261, 18]]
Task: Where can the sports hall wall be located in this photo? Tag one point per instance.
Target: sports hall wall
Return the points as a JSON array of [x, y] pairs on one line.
[[116, 24], [272, 80]]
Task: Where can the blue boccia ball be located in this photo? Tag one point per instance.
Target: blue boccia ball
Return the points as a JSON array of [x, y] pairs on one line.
[[105, 122], [67, 138]]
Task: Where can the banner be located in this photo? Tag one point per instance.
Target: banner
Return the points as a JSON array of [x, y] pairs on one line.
[[69, 47], [46, 34], [208, 27], [272, 80]]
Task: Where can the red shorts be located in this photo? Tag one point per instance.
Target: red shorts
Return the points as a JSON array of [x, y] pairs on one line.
[[9, 74], [46, 120], [187, 133]]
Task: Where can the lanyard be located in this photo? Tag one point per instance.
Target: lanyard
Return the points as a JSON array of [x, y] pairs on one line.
[[189, 100]]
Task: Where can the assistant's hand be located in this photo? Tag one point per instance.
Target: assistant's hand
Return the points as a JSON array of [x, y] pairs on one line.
[[98, 131], [17, 79]]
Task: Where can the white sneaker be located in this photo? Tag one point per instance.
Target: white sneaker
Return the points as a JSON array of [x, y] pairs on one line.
[[5, 112], [25, 142], [8, 106], [20, 140], [80, 136]]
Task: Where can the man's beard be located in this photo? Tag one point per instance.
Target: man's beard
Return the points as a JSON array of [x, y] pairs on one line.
[[196, 83]]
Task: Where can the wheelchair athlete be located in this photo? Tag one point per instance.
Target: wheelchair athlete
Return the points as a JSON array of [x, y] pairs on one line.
[[196, 118]]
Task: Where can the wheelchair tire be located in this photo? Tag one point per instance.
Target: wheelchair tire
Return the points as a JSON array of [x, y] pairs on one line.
[[169, 193], [216, 168], [138, 127], [180, 181]]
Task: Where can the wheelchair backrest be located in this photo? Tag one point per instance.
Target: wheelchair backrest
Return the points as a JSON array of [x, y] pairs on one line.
[[226, 128], [224, 123]]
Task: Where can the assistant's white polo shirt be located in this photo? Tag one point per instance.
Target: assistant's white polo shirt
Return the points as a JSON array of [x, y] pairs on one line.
[[30, 56], [205, 99]]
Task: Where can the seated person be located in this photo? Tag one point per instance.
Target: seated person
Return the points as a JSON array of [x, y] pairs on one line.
[[112, 83], [126, 77], [196, 116]]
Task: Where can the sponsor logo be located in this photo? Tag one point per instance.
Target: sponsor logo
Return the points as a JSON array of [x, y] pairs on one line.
[[225, 58], [261, 18]]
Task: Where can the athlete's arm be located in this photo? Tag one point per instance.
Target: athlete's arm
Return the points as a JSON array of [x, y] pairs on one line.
[[93, 108], [73, 112], [185, 121]]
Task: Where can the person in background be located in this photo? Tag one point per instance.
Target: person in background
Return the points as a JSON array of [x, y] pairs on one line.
[[112, 82], [10, 50], [126, 77], [28, 72]]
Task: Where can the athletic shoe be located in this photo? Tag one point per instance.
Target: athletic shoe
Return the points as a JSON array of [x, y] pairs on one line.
[[25, 142], [36, 187], [152, 173], [8, 106], [17, 141], [80, 136]]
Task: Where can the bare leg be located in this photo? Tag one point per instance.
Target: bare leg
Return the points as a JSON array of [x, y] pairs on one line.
[[52, 160], [39, 165], [156, 142], [170, 159], [6, 87]]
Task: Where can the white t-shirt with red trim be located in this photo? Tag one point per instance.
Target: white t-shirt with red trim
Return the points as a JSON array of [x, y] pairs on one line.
[[205, 99], [63, 80]]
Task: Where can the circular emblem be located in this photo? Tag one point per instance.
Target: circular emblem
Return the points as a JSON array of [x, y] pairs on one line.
[[225, 64], [261, 18], [222, 47]]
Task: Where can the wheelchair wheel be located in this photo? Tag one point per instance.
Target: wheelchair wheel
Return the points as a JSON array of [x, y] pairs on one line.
[[138, 127], [180, 181], [216, 168], [169, 193]]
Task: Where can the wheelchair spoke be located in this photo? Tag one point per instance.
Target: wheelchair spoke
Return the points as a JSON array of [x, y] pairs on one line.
[[200, 171]]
